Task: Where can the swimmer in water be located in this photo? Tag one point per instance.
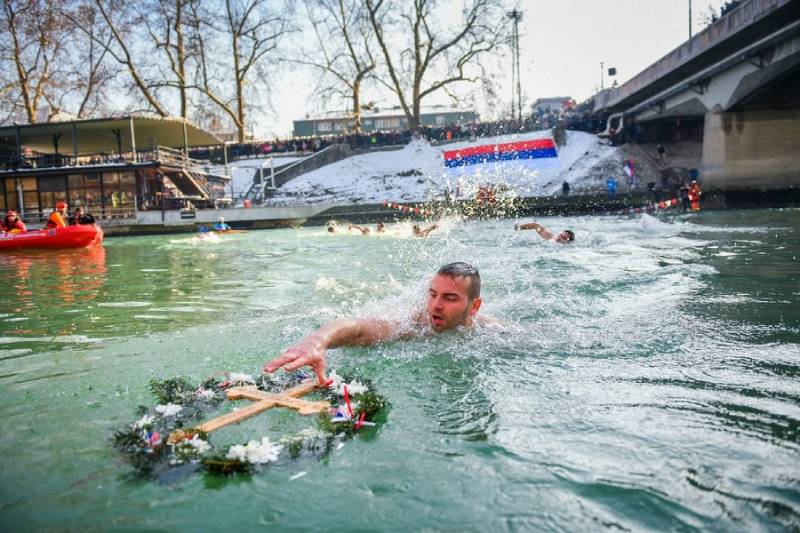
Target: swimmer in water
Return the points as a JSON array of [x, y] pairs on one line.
[[331, 229], [454, 298], [422, 233], [563, 238], [380, 228], [364, 231]]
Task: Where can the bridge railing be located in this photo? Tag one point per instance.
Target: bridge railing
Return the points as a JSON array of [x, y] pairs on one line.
[[748, 12]]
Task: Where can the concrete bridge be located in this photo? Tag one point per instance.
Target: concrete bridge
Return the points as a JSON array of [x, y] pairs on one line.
[[735, 88]]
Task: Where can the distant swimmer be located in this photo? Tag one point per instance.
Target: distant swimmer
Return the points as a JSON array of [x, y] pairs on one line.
[[331, 229], [364, 231], [380, 228], [454, 298], [11, 223], [423, 232], [563, 237], [221, 225]]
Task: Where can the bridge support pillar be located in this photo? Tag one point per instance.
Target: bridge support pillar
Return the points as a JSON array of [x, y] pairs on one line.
[[757, 149]]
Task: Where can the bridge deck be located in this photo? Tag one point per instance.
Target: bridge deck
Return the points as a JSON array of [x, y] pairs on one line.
[[751, 21]]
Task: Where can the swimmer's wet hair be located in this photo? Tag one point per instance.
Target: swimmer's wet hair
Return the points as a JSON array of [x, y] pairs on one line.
[[464, 270], [571, 234]]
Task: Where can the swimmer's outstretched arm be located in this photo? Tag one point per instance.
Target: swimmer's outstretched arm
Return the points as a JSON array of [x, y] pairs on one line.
[[543, 232], [429, 229], [363, 231], [342, 332]]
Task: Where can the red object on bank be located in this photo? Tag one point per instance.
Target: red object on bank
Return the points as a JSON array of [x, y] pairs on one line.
[[70, 237]]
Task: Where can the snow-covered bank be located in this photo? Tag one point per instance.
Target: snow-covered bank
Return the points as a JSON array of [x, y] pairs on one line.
[[242, 171], [416, 173]]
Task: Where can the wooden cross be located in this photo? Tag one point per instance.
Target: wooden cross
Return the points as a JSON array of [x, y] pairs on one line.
[[263, 401]]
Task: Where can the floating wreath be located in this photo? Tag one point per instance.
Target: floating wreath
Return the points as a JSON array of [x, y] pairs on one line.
[[170, 435]]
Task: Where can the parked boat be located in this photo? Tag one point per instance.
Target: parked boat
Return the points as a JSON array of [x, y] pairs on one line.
[[69, 237]]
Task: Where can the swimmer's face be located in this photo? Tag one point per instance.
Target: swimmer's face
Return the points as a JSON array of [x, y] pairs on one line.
[[449, 305], [563, 237]]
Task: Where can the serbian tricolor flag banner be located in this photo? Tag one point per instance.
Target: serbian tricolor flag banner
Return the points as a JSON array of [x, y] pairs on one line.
[[627, 167], [532, 154]]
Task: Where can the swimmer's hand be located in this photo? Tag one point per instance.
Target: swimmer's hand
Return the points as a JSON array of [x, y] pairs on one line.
[[308, 352], [342, 332]]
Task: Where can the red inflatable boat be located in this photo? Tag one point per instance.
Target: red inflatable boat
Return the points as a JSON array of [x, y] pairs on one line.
[[69, 237]]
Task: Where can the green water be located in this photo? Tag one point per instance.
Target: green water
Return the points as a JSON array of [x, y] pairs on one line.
[[653, 383]]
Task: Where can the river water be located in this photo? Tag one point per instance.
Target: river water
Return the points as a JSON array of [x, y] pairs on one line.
[[648, 380]]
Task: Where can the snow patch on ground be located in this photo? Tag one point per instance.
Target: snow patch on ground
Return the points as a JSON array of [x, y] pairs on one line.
[[416, 173]]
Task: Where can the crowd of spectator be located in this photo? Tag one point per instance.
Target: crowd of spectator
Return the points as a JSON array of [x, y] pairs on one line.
[[364, 141]]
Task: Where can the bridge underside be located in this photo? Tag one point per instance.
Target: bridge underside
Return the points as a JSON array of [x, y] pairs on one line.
[[746, 114]]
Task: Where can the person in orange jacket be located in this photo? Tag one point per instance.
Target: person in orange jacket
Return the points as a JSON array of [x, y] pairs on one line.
[[57, 219], [12, 223], [694, 195]]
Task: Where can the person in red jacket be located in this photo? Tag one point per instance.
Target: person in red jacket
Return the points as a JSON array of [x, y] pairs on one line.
[[12, 223], [57, 219], [694, 195]]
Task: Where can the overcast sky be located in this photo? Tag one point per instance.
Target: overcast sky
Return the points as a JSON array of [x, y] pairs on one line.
[[562, 43]]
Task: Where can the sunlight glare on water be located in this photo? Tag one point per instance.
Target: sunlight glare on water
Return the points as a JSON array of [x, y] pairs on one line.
[[646, 379]]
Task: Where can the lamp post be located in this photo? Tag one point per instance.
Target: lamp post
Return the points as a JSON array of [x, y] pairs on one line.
[[516, 85], [602, 78]]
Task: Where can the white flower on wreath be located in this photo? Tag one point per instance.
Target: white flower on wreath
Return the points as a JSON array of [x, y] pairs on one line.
[[170, 409], [354, 387], [237, 377], [200, 446], [255, 452], [146, 420], [205, 394], [190, 450]]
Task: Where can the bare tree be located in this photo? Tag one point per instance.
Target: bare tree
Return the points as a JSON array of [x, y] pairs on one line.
[[167, 23], [342, 51], [119, 45], [31, 47], [434, 55], [86, 73], [252, 30]]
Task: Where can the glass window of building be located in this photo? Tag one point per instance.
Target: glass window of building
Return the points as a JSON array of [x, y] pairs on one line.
[[28, 184], [11, 201]]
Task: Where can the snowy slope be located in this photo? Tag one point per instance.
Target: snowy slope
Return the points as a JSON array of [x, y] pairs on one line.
[[416, 173]]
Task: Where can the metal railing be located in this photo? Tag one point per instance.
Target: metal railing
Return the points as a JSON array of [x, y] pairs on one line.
[[162, 154], [100, 213]]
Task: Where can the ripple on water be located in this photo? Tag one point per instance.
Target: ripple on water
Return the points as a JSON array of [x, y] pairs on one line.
[[153, 317], [58, 339], [124, 304], [13, 354]]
